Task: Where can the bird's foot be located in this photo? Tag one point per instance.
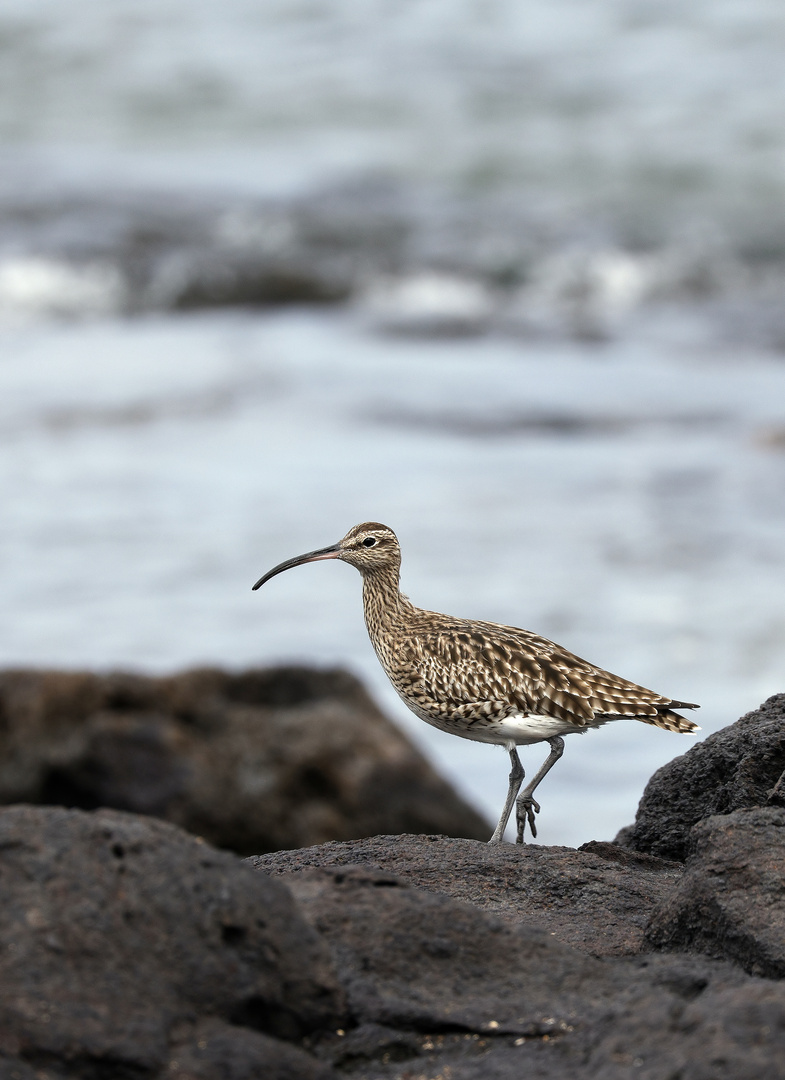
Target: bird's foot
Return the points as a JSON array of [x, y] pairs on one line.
[[525, 809]]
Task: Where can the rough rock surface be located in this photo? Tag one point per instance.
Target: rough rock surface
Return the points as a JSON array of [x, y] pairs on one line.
[[597, 899], [439, 987], [738, 767], [254, 761], [129, 949], [731, 899], [132, 951], [125, 942]]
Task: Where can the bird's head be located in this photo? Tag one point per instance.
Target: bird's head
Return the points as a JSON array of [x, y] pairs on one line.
[[370, 547]]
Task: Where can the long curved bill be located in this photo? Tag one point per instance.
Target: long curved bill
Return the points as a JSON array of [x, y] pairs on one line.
[[312, 556]]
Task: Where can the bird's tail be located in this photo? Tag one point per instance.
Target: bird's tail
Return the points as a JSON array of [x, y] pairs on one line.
[[671, 721]]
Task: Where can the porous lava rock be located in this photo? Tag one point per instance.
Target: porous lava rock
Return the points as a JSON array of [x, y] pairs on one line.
[[127, 945], [416, 960], [439, 987], [736, 768], [252, 761], [597, 899], [730, 901], [130, 950]]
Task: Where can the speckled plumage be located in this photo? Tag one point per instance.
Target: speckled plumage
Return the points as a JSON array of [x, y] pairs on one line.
[[484, 681]]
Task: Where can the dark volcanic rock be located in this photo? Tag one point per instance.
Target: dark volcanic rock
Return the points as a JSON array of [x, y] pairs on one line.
[[416, 960], [597, 899], [684, 1022], [215, 1050], [731, 901], [438, 987], [123, 939], [735, 768], [132, 951], [253, 761]]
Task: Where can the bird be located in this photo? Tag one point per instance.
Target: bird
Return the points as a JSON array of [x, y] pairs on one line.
[[482, 680]]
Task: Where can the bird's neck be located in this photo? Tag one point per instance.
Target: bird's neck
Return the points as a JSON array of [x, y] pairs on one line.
[[386, 608]]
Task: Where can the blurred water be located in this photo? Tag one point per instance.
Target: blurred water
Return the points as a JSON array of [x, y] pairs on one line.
[[619, 104], [589, 196], [180, 154]]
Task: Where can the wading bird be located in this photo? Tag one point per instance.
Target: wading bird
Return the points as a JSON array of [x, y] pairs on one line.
[[483, 681]]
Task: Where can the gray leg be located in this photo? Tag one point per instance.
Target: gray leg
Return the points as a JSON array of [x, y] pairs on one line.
[[527, 806], [516, 779]]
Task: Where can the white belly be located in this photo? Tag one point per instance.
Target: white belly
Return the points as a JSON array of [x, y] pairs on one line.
[[523, 730], [518, 730]]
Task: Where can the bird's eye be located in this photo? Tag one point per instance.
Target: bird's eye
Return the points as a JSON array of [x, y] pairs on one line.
[[369, 541]]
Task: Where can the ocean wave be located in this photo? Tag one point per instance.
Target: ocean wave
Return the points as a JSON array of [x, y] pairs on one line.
[[411, 260]]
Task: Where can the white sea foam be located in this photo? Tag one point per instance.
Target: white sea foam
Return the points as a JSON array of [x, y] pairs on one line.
[[428, 303], [32, 287]]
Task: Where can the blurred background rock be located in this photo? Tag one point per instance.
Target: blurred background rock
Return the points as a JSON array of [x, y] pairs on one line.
[[257, 761], [506, 277]]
